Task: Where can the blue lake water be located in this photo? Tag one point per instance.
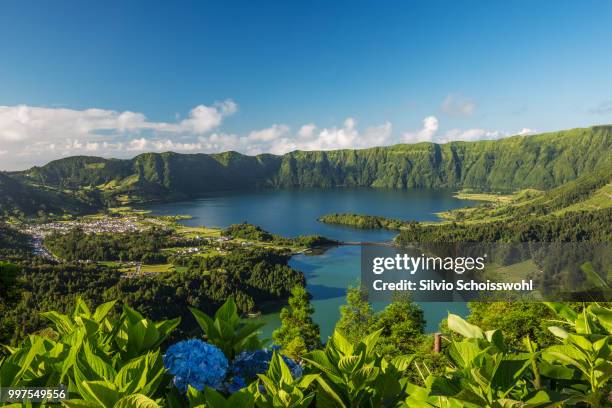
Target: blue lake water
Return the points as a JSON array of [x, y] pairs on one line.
[[294, 212]]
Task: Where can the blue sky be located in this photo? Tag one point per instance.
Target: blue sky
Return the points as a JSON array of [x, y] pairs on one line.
[[273, 76]]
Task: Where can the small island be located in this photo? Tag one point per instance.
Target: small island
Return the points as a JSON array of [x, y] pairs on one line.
[[363, 221]]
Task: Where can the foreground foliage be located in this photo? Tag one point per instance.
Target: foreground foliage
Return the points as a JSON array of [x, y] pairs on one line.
[[115, 361]]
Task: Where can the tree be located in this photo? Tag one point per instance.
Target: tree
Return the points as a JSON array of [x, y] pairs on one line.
[[357, 316], [298, 334], [9, 295], [402, 324], [8, 283], [516, 320]]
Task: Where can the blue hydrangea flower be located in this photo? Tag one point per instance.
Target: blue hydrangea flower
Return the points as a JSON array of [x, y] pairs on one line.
[[196, 363], [248, 364], [235, 384]]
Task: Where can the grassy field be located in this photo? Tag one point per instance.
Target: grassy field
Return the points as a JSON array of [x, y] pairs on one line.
[[193, 232], [601, 199], [159, 268], [511, 273], [495, 198], [125, 210]]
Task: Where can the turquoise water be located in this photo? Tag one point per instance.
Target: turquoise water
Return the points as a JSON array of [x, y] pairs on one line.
[[295, 212]]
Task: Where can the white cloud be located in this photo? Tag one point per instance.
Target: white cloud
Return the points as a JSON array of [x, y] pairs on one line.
[[457, 105], [267, 135], [425, 134], [429, 133], [526, 131], [347, 136], [279, 139], [34, 135], [470, 135], [24, 123], [205, 118]]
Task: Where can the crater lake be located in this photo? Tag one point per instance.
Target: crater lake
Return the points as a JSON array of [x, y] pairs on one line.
[[294, 212]]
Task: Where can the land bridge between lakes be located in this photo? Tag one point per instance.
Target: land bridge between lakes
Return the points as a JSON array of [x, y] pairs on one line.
[[366, 243]]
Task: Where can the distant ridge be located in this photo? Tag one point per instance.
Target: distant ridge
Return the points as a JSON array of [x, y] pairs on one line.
[[539, 161]]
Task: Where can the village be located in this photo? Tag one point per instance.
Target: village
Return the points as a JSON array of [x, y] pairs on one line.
[[184, 242]]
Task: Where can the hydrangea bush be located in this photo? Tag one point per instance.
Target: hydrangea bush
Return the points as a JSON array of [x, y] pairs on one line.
[[196, 363], [200, 364], [250, 363]]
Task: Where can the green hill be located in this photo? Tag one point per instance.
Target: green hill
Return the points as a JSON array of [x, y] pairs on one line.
[[541, 162], [18, 197]]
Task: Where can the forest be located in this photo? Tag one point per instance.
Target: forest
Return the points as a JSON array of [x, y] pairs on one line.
[[76, 245]]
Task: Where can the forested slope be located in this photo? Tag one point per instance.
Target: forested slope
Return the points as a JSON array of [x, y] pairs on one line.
[[17, 197]]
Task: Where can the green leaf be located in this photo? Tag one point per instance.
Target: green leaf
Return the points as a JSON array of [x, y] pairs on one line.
[[103, 310], [97, 364], [349, 363], [371, 340], [444, 386], [470, 399], [81, 309], [341, 343], [241, 399], [558, 331], [268, 383], [103, 392], [228, 312], [329, 391], [496, 338], [132, 315], [75, 403], [401, 363], [195, 397], [136, 401], [563, 310], [319, 359], [365, 375], [215, 399], [165, 328], [128, 377], [464, 352], [63, 324], [35, 349], [604, 316], [508, 373], [9, 368], [458, 325], [206, 323], [278, 370], [580, 341]]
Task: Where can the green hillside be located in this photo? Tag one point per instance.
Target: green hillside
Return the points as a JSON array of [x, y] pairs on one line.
[[20, 198], [589, 192], [541, 162]]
